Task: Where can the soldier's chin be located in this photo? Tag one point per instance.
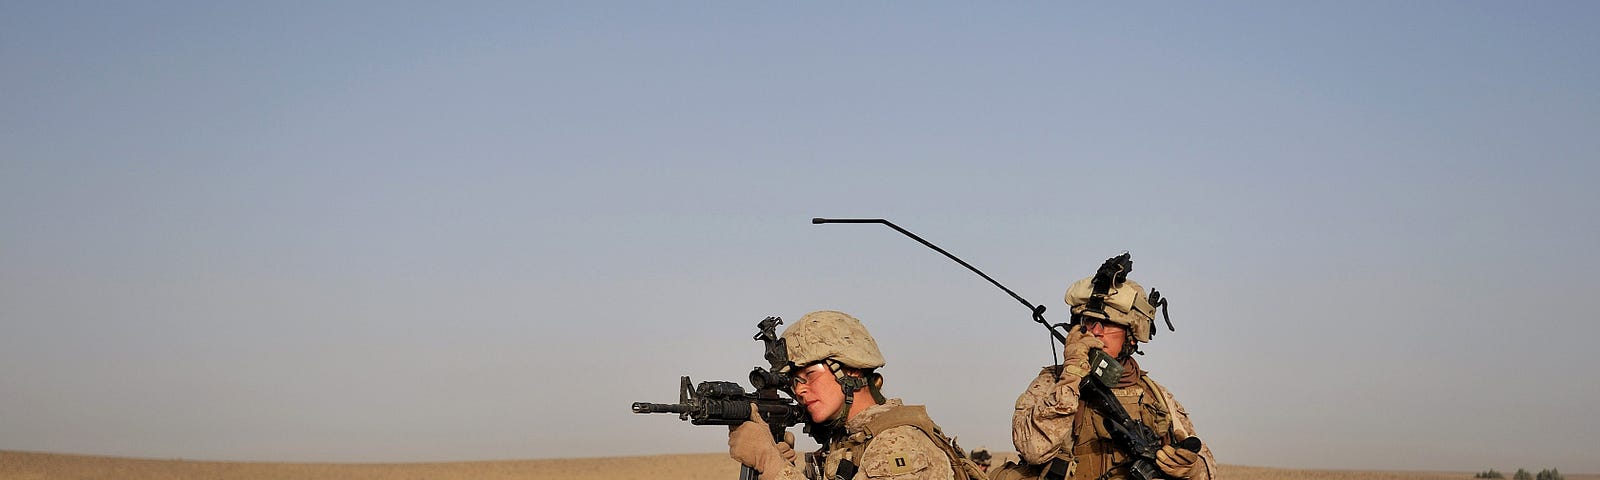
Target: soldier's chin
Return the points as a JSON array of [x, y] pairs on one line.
[[817, 415]]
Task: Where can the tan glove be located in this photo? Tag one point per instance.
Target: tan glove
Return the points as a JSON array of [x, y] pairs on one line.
[[786, 447], [751, 444], [1177, 462], [1075, 361]]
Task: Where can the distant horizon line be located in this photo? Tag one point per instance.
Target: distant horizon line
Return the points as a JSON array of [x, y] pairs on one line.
[[1002, 453]]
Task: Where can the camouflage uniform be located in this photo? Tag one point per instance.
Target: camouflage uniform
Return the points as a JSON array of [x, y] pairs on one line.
[[1047, 425], [888, 440], [899, 453], [982, 458], [1052, 424]]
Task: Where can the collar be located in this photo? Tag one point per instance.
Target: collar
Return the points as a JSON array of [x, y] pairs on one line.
[[860, 421]]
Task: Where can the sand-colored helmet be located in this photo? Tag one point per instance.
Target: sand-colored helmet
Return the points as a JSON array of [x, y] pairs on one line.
[[827, 334], [1125, 305], [981, 456]]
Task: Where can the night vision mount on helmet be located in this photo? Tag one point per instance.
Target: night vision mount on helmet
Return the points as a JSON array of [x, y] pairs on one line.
[[1110, 296]]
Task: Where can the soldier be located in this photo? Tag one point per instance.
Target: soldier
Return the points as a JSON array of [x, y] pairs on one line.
[[1051, 424], [833, 361], [982, 457]]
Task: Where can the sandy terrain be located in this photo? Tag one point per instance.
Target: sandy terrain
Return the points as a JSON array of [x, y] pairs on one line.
[[40, 466]]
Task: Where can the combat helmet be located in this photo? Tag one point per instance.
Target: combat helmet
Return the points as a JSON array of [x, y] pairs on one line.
[[1110, 296], [831, 335], [981, 456], [838, 340]]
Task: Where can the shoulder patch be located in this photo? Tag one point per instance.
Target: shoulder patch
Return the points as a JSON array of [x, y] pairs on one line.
[[899, 466], [896, 464], [904, 453]]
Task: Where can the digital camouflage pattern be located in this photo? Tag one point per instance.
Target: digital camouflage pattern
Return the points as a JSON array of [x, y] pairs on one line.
[[828, 334], [1042, 420], [898, 453], [1046, 424], [888, 441], [1125, 304]]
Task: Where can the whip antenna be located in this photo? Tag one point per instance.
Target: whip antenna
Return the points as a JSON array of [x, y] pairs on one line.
[[1036, 310]]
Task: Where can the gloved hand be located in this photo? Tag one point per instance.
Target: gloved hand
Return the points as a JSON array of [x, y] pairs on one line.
[[751, 444], [786, 447], [1075, 361], [1177, 462]]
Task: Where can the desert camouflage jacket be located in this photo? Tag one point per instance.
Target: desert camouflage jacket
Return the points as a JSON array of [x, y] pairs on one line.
[[898, 453], [1043, 424]]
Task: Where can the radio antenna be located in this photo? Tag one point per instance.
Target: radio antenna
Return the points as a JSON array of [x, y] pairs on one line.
[[1036, 310]]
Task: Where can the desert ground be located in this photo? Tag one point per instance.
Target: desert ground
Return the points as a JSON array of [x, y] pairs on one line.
[[54, 466]]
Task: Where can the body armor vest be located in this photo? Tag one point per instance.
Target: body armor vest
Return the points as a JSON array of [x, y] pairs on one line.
[[843, 456], [1096, 454]]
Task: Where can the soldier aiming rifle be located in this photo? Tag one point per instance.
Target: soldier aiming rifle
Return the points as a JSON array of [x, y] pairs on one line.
[[828, 362], [727, 403]]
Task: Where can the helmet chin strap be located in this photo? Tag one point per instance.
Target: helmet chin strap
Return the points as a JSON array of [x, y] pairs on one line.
[[849, 385]]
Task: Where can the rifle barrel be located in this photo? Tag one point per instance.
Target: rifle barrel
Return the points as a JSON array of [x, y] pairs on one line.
[[646, 407]]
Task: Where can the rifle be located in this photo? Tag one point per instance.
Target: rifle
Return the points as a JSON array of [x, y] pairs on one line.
[[727, 403], [1133, 437]]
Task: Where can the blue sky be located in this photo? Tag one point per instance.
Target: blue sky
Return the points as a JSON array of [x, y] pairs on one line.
[[374, 231]]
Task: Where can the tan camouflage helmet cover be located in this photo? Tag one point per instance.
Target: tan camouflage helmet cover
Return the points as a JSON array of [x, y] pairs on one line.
[[1125, 305], [827, 334]]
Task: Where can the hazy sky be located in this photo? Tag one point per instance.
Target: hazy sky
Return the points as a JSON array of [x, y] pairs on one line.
[[406, 231]]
